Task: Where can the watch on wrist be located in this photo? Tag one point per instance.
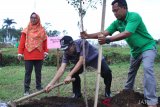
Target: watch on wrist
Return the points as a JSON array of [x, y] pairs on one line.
[[108, 40]]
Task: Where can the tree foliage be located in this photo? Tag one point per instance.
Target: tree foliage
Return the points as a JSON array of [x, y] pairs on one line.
[[53, 33], [8, 30], [8, 22], [14, 33], [81, 6], [85, 5]]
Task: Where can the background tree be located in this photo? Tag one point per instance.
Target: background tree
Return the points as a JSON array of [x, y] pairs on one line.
[[47, 25], [14, 33], [53, 33], [7, 26], [65, 32], [85, 5], [2, 35]]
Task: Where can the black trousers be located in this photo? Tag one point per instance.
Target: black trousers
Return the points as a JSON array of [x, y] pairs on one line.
[[28, 71], [106, 73]]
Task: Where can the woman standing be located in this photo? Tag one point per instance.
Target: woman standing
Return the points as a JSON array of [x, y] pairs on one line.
[[33, 46]]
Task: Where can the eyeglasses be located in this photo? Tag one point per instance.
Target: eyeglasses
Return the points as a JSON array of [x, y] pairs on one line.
[[33, 17]]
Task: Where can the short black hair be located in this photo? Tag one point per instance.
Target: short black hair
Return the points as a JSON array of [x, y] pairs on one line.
[[121, 3]]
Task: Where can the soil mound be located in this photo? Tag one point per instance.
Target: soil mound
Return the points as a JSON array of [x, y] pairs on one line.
[[126, 98], [55, 101]]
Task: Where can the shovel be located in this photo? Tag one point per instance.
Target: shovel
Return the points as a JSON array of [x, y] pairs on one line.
[[15, 102]]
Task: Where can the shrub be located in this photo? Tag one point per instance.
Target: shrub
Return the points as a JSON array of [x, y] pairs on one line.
[[8, 60], [51, 60], [112, 55]]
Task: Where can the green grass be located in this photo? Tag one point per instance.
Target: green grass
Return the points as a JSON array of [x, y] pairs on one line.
[[12, 77], [11, 81]]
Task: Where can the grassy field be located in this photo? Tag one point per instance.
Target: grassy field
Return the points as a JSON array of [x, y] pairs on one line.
[[11, 81]]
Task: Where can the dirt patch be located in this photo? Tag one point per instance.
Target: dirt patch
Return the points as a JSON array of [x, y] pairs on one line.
[[58, 102], [125, 98], [128, 98]]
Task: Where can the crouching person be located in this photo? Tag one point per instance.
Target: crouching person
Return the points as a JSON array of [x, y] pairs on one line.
[[73, 52]]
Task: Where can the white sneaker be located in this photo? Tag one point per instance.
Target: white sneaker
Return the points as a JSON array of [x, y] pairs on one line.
[[26, 93]]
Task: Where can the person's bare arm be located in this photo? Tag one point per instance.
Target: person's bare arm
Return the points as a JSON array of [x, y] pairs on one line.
[[74, 70], [85, 35], [57, 76], [120, 36]]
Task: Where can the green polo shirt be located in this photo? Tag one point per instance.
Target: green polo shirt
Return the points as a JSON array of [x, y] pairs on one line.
[[139, 40]]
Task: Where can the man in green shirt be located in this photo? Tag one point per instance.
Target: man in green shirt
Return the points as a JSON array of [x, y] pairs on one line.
[[142, 47]]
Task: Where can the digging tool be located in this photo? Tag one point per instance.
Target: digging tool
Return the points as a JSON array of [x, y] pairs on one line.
[[84, 56], [58, 65], [100, 55], [15, 102]]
